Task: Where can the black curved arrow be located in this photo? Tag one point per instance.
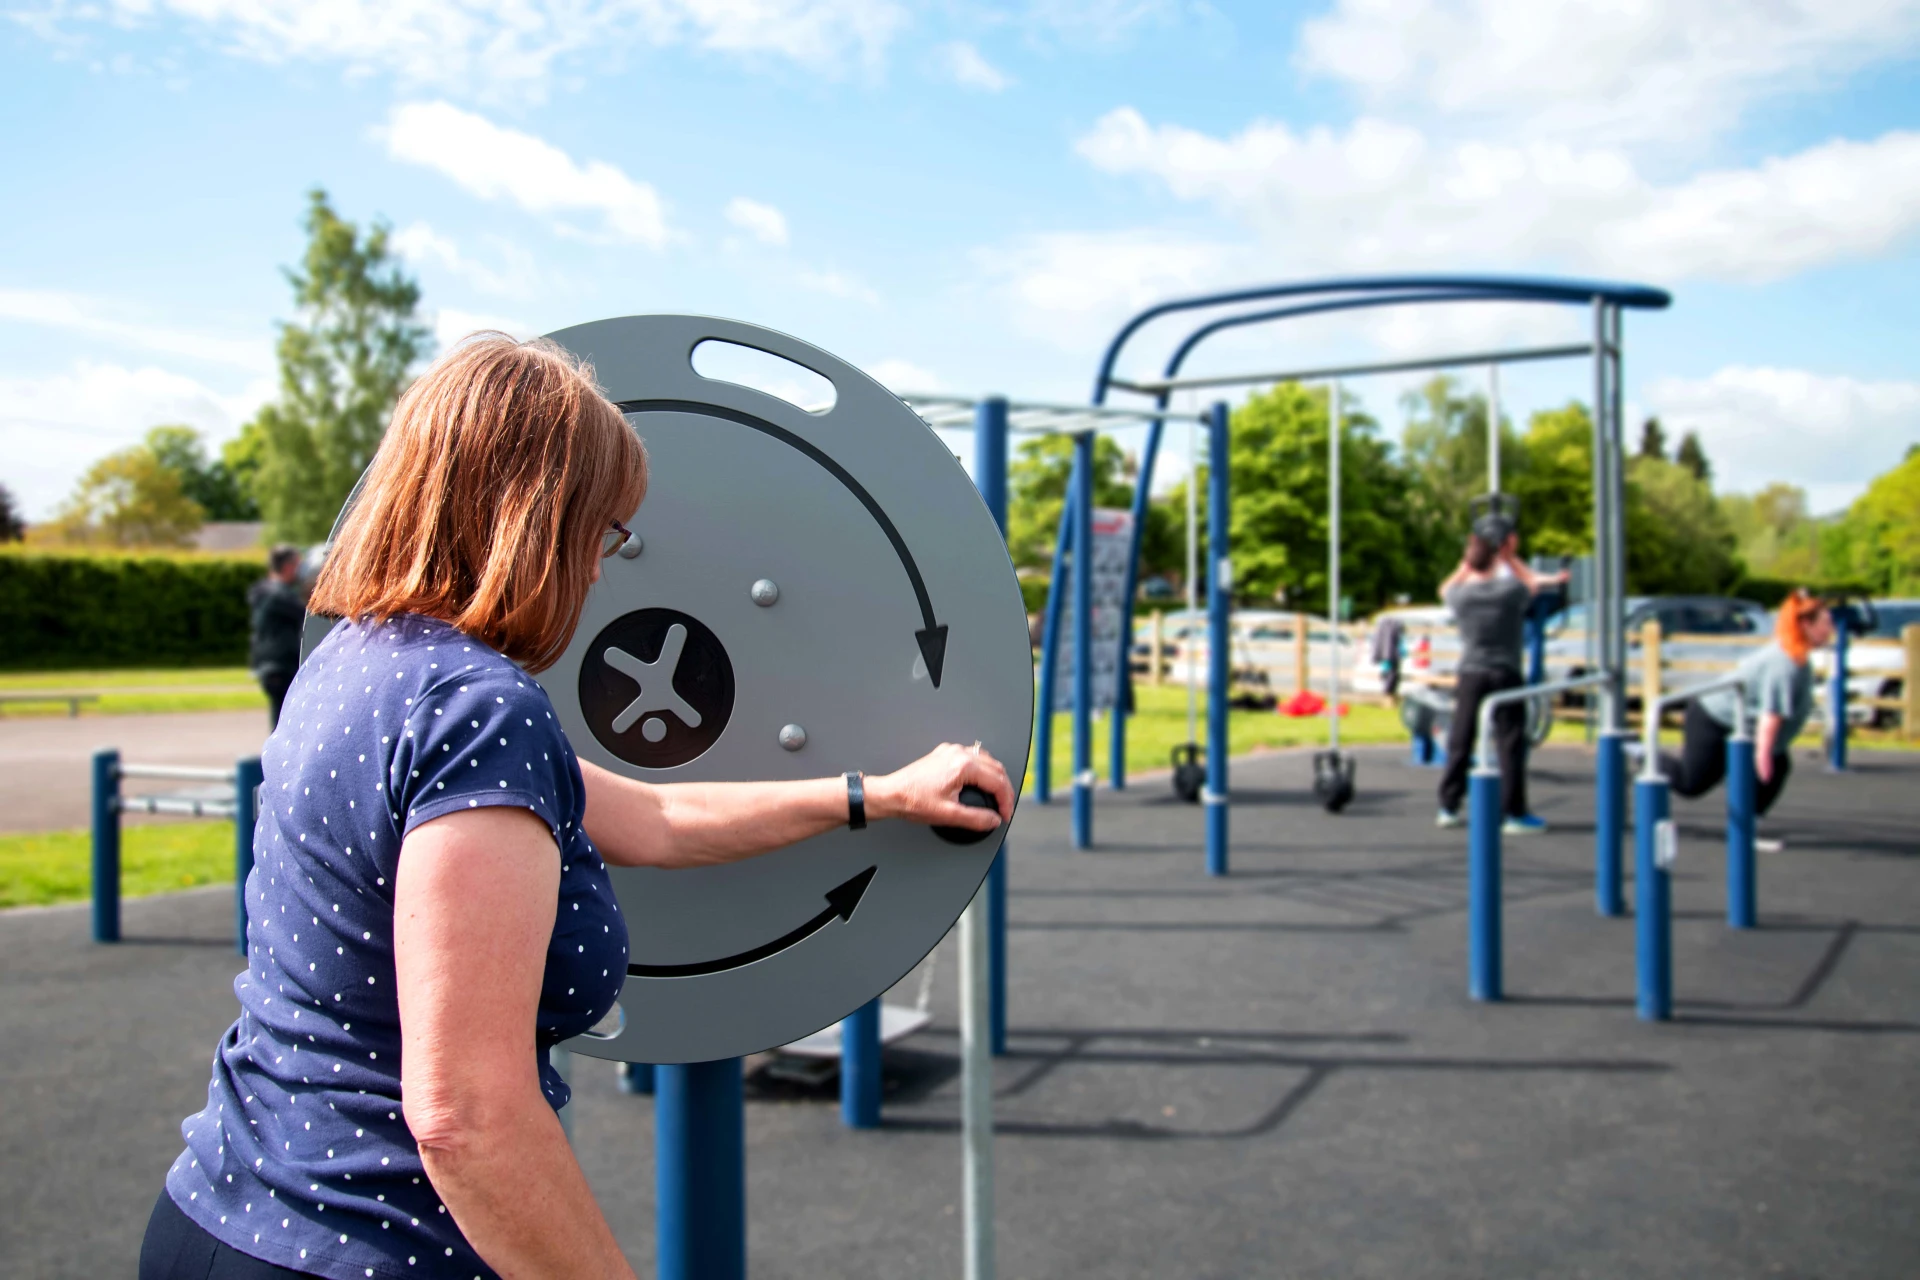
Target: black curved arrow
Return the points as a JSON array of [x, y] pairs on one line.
[[841, 900], [932, 636]]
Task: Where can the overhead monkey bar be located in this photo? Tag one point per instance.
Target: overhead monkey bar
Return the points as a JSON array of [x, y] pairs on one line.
[[1606, 299]]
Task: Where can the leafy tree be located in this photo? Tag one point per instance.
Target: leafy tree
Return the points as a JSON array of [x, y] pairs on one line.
[[1693, 456], [12, 527], [1552, 475], [132, 499], [1775, 536], [1279, 494], [343, 363], [212, 484], [1679, 541], [1653, 439], [1885, 523]]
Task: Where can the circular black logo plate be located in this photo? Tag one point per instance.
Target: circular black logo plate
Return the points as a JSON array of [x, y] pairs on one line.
[[656, 688]]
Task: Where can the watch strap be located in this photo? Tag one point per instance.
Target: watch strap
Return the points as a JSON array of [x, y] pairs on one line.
[[856, 800]]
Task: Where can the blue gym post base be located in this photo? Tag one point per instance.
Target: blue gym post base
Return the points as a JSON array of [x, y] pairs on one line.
[[1837, 695], [106, 846], [700, 1182], [990, 477], [247, 777], [1609, 823], [1083, 641], [1427, 753], [1219, 636], [1742, 793], [860, 1067], [1653, 905], [1483, 885], [633, 1077]]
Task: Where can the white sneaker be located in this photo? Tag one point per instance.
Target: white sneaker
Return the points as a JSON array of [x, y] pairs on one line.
[[1763, 845], [1449, 818]]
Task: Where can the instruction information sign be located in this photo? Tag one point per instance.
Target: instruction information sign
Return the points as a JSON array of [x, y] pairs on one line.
[[1112, 543]]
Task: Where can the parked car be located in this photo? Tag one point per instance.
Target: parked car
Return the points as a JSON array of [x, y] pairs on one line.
[[1263, 649], [1875, 670]]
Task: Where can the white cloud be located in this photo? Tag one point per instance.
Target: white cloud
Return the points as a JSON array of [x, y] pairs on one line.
[[451, 325], [54, 426], [46, 308], [899, 376], [1379, 194], [1066, 287], [968, 68], [421, 245], [1829, 434], [497, 163], [837, 284], [761, 221], [501, 47], [1636, 71]]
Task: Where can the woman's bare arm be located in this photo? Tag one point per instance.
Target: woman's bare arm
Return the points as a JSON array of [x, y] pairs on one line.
[[692, 824], [474, 903], [1765, 742]]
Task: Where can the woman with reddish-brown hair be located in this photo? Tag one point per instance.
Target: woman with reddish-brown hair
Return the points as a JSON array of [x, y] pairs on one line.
[[429, 910], [1779, 696]]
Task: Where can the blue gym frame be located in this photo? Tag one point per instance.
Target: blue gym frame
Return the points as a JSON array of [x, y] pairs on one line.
[[1607, 300]]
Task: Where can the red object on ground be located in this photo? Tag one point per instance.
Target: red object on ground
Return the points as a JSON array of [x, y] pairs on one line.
[[1306, 703]]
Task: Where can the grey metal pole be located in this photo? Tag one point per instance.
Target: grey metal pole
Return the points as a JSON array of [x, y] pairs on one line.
[[1617, 505], [1600, 613], [1493, 428], [1333, 565], [976, 1092]]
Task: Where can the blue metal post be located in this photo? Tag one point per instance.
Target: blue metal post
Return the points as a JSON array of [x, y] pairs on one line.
[[1484, 958], [1609, 822], [1219, 634], [1536, 650], [247, 777], [1837, 695], [1652, 908], [990, 474], [1083, 640], [1742, 791], [700, 1171], [1050, 653], [860, 1067], [1123, 703], [106, 846], [633, 1077]]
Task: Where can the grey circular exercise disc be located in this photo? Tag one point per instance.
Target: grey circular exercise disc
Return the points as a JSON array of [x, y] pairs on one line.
[[898, 625]]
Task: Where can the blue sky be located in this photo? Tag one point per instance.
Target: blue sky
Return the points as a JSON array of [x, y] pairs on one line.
[[970, 196]]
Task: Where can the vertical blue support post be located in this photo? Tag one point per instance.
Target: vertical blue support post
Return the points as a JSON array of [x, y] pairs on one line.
[[1050, 655], [700, 1171], [1652, 907], [990, 475], [106, 846], [1837, 695], [1609, 823], [1123, 703], [1484, 959], [1426, 752], [860, 1067], [1083, 640], [1219, 635], [1536, 650], [1742, 790], [633, 1077], [247, 777]]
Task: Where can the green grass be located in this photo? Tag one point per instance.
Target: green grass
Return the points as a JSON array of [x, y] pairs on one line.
[[56, 866], [138, 691]]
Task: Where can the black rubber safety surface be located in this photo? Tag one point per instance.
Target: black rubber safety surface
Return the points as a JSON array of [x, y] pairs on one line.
[[1275, 1074]]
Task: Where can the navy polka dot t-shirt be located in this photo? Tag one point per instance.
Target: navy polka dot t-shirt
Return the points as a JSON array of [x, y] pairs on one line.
[[302, 1156]]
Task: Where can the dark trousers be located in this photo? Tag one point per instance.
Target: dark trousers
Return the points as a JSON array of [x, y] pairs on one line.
[[275, 683], [177, 1248], [1509, 740], [1702, 762]]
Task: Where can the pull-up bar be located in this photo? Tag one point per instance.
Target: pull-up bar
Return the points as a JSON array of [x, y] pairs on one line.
[[1512, 355]]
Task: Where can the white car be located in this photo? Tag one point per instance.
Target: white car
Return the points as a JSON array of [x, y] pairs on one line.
[[1876, 669], [1263, 647]]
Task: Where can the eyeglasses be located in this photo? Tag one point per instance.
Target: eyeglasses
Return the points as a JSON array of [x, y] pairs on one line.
[[613, 539]]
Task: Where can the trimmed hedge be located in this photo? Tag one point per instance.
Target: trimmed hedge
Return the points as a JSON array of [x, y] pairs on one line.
[[108, 609]]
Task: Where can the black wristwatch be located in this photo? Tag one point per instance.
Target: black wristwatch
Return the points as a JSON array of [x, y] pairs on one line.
[[856, 800]]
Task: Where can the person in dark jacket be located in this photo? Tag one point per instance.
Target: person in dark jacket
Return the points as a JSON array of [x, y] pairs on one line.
[[276, 613]]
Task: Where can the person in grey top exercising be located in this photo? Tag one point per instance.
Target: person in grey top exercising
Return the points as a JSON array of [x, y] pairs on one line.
[[1488, 595]]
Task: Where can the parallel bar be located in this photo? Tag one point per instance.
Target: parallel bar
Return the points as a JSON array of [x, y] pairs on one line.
[[106, 846], [700, 1184], [247, 777], [1515, 355], [183, 772], [860, 1067], [184, 806], [1219, 635], [976, 1095], [1083, 643]]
